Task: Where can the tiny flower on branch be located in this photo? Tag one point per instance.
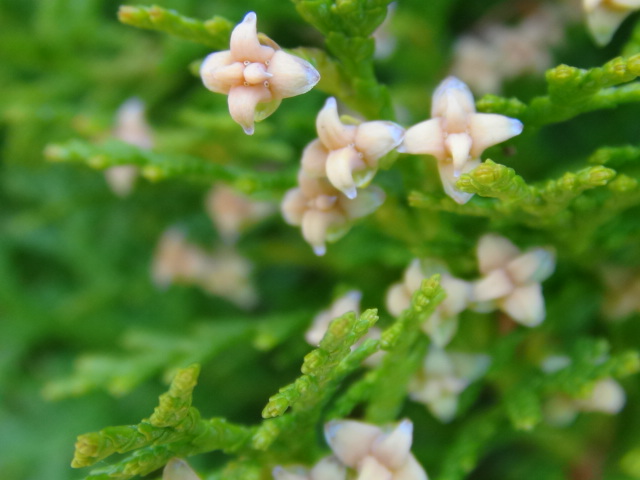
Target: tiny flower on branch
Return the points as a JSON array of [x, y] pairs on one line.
[[351, 152], [349, 302], [131, 127], [443, 377], [456, 135], [605, 396], [511, 279], [256, 77], [232, 212], [442, 325], [375, 453], [224, 273], [605, 16], [323, 212]]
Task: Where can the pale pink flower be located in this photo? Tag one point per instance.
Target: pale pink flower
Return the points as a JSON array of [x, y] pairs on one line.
[[256, 77], [131, 127], [443, 377], [442, 325], [323, 212], [456, 135], [232, 212], [348, 154], [375, 453], [511, 279]]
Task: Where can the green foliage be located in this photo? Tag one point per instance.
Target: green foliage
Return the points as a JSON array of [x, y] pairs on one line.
[[87, 339]]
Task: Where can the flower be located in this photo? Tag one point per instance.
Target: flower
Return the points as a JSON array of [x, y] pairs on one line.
[[605, 396], [349, 302], [456, 135], [224, 273], [256, 77], [605, 16], [131, 127], [375, 453], [178, 469], [232, 212], [348, 154], [512, 279], [323, 211], [443, 377], [443, 323], [500, 52]]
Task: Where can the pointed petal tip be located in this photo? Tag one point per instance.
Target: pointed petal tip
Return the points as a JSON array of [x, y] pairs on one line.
[[319, 250], [516, 126], [249, 130], [351, 192], [250, 17]]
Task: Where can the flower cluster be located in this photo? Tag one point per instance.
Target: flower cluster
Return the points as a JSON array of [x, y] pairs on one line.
[[499, 52], [510, 281], [256, 77], [224, 273], [335, 168], [374, 453]]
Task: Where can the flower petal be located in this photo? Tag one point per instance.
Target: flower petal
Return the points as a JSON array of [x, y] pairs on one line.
[[178, 469], [329, 468], [315, 225], [245, 46], [525, 305], [332, 132], [459, 146], [392, 449], [449, 178], [340, 167], [603, 23], [535, 265], [371, 469], [398, 299], [376, 139], [607, 396], [494, 252], [255, 73], [424, 138], [368, 200], [496, 284], [291, 75], [453, 103], [411, 470], [219, 72], [488, 129], [350, 440], [242, 104], [314, 159], [293, 206]]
